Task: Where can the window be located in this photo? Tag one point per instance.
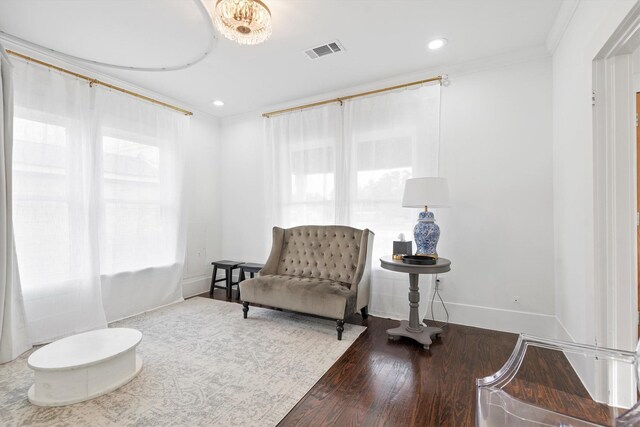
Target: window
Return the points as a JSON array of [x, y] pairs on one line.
[[312, 194], [133, 210], [347, 164], [43, 204], [133, 215], [97, 191], [303, 153], [383, 165]]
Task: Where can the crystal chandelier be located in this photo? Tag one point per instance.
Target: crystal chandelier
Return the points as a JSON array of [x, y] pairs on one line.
[[244, 21]]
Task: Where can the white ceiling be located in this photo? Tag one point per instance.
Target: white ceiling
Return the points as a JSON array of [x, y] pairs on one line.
[[382, 38]]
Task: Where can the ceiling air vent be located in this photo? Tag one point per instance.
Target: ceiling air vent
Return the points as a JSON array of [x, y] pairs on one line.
[[324, 50]]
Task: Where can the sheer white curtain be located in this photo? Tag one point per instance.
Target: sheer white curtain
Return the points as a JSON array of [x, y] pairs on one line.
[[55, 219], [142, 220], [348, 164], [14, 338], [97, 182], [389, 138], [302, 152]]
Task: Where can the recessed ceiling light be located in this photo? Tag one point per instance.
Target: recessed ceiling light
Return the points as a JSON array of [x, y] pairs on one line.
[[437, 43], [218, 103]]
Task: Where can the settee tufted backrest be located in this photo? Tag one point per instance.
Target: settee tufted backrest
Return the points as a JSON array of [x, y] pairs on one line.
[[323, 252]]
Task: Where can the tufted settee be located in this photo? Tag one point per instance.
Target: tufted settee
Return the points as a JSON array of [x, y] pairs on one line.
[[320, 270]]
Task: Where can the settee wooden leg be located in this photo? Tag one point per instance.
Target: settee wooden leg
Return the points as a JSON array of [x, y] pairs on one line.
[[365, 312], [339, 328], [245, 308]]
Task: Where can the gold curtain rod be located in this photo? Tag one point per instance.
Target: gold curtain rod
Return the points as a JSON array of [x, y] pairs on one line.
[[98, 82], [355, 95]]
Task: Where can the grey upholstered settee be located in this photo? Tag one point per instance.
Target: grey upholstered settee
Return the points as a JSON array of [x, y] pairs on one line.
[[313, 269]]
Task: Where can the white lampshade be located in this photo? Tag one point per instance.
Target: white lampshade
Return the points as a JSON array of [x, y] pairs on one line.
[[428, 191]]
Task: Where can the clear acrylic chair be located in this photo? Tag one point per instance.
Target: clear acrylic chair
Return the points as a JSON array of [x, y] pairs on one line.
[[495, 407]]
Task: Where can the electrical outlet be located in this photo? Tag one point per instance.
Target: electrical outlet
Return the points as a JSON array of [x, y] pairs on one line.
[[516, 299]]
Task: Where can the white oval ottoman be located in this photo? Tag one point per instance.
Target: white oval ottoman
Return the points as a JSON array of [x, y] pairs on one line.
[[84, 366]]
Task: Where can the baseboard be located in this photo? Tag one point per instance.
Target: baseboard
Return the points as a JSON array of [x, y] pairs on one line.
[[562, 333], [543, 325], [581, 366], [195, 286]]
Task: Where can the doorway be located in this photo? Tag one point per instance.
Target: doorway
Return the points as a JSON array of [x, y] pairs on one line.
[[616, 192]]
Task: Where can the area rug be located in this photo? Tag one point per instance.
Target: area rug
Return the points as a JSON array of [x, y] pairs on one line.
[[204, 365]]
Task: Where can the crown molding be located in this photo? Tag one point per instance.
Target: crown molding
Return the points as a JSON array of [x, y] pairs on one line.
[[84, 69], [561, 23]]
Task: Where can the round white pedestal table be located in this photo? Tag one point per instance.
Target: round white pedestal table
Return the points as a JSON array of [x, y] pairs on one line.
[[84, 366]]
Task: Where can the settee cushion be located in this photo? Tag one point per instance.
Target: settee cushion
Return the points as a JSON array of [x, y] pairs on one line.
[[322, 297], [321, 252]]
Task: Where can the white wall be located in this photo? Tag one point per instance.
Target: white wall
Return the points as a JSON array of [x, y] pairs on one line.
[[496, 152], [245, 234], [202, 196]]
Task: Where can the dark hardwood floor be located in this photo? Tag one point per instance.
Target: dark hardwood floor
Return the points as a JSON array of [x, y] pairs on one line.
[[378, 382]]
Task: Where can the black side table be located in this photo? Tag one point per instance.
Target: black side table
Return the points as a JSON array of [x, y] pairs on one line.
[[228, 267], [249, 267]]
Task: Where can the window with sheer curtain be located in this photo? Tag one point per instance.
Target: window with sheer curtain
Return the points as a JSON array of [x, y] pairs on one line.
[[97, 185], [348, 164], [133, 206], [303, 156], [41, 191]]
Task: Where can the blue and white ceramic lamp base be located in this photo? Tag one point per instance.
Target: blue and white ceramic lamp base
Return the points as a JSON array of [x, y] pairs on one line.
[[426, 234]]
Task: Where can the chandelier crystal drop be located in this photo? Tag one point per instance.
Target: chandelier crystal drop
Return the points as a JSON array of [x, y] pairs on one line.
[[244, 21]]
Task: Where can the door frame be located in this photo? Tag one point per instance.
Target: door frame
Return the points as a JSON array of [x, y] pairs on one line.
[[615, 201], [636, 88]]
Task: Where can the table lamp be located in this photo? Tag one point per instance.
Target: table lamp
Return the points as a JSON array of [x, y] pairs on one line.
[[426, 192]]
